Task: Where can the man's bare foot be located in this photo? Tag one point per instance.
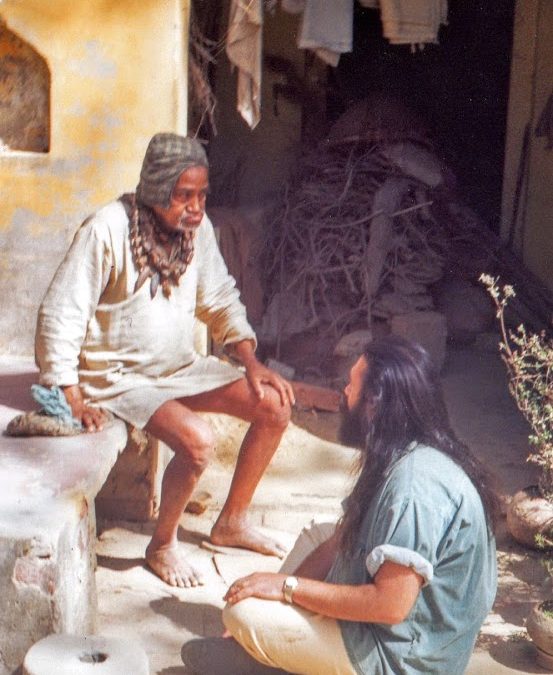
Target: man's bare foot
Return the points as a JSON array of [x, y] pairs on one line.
[[246, 537], [171, 567]]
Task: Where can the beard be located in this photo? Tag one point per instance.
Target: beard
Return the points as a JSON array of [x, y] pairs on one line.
[[353, 425]]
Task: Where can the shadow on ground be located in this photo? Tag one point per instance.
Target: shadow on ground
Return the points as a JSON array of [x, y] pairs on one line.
[[196, 622]]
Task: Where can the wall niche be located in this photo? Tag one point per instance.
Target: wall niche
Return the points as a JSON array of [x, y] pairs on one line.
[[24, 95]]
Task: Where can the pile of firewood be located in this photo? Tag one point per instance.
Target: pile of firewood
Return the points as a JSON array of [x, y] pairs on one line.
[[368, 224], [354, 237]]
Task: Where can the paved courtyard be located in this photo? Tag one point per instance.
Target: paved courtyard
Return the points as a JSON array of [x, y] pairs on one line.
[[308, 477]]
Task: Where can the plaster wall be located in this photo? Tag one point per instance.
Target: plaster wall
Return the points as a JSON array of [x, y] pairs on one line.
[[527, 208], [118, 75]]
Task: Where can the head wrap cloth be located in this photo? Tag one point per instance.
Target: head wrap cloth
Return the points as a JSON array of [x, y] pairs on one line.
[[167, 156]]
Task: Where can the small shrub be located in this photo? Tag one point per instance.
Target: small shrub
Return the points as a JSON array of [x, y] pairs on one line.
[[529, 361]]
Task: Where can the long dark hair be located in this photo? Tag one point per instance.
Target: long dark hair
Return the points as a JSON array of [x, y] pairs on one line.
[[402, 392]]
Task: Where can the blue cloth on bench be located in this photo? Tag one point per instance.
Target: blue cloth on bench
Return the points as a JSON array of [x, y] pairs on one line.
[[54, 404]]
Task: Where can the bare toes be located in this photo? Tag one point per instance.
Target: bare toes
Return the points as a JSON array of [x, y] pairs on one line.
[[249, 538], [171, 567]]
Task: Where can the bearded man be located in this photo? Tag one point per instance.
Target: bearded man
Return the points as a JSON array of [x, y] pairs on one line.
[[404, 581], [115, 332]]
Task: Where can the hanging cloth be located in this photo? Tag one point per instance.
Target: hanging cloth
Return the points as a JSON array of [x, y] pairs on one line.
[[414, 22], [244, 50], [293, 6], [327, 28]]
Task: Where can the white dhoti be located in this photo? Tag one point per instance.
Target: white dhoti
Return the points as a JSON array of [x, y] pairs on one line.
[[131, 353]]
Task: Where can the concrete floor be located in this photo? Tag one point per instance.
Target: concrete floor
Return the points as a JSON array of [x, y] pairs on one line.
[[309, 476]]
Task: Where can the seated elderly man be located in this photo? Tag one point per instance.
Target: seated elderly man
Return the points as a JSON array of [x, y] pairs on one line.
[[404, 582], [115, 332]]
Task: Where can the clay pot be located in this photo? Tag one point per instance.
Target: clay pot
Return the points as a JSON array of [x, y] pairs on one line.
[[540, 628], [530, 514]]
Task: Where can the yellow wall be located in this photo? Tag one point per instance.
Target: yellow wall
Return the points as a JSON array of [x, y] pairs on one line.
[[531, 86], [118, 75]]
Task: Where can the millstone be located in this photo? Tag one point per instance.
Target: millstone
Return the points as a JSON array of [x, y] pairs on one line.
[[85, 655]]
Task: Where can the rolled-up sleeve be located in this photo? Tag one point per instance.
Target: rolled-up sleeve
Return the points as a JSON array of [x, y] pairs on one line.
[[70, 303], [400, 556], [408, 532], [218, 300]]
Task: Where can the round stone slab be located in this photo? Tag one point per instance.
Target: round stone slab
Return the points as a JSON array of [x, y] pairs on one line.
[[84, 655]]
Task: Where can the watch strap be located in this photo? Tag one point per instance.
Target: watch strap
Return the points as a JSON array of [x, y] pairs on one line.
[[288, 587]]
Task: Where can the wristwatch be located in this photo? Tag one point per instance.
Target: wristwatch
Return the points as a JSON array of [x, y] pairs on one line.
[[288, 587]]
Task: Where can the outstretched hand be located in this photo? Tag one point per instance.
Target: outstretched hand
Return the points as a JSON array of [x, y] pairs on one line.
[[258, 375]]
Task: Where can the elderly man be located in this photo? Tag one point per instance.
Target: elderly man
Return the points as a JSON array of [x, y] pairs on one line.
[[115, 332], [404, 582]]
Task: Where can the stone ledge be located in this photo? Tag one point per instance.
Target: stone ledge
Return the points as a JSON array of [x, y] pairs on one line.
[[47, 523]]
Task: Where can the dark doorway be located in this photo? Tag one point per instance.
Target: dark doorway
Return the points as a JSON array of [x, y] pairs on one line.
[[459, 87]]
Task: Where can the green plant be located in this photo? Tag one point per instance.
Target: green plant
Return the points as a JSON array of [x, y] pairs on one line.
[[520, 636], [545, 545], [529, 360]]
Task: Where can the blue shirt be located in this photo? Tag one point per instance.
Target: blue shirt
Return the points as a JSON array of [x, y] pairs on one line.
[[427, 514]]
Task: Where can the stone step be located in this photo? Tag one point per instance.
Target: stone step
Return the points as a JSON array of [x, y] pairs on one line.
[[47, 523]]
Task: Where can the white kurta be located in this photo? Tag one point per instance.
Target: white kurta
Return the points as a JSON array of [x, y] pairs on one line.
[[131, 353]]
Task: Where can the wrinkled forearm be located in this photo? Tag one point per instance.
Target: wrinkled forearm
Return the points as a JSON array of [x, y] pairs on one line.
[[244, 350]]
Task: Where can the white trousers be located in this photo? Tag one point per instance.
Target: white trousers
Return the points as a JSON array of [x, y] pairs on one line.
[[286, 636]]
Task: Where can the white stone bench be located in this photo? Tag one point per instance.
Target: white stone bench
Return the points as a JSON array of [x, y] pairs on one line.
[[47, 523]]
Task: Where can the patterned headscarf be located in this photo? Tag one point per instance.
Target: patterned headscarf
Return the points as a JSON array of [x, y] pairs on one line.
[[167, 156]]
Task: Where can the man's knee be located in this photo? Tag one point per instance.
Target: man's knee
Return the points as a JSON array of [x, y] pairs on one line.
[[231, 619], [240, 619], [195, 445], [271, 411]]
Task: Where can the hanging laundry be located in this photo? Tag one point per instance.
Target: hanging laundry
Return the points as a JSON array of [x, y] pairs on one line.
[[293, 6], [244, 50], [414, 22], [327, 28]]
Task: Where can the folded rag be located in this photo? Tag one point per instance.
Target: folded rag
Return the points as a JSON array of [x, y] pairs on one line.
[[54, 404]]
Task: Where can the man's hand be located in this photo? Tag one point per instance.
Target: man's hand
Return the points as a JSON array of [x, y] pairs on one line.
[[91, 418], [257, 374], [388, 600], [266, 585]]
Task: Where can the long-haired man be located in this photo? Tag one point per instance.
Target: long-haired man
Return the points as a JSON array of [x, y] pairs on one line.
[[405, 580]]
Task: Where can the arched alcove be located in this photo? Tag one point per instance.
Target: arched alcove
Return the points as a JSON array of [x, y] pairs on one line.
[[24, 95]]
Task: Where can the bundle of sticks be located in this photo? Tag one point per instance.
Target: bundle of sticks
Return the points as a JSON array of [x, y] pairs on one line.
[[355, 238]]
